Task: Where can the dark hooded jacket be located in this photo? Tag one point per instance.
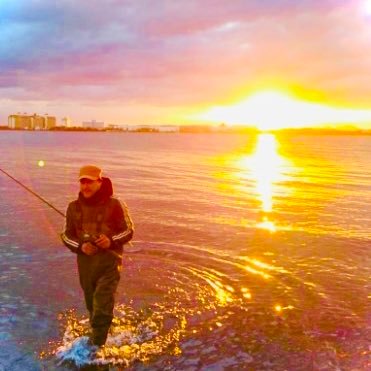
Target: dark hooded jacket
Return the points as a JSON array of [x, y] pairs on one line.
[[87, 218]]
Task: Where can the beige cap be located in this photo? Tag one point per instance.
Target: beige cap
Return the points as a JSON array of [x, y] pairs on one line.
[[90, 172]]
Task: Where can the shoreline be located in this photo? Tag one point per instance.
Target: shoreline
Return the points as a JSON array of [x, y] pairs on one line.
[[185, 130]]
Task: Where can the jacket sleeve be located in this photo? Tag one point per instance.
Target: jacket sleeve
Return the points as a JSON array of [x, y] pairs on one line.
[[68, 235], [124, 226]]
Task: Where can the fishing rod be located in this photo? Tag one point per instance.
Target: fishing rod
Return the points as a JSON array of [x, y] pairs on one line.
[[34, 193], [53, 207]]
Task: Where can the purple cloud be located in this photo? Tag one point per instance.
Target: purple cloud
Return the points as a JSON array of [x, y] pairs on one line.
[[180, 53]]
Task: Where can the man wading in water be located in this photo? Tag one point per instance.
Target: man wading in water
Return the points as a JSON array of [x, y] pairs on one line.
[[97, 226]]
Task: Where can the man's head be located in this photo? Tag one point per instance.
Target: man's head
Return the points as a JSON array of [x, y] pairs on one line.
[[90, 178]]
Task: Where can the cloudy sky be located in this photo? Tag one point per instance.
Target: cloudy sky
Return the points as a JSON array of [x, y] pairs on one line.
[[169, 61]]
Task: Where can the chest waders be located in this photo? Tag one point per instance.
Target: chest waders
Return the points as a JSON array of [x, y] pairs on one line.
[[99, 274]]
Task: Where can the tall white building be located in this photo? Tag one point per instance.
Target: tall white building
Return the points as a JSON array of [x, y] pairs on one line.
[[66, 121], [31, 122], [93, 124]]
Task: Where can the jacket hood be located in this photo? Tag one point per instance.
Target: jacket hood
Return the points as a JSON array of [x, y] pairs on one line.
[[102, 195]]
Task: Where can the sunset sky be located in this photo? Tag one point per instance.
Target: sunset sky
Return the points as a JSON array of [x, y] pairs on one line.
[[269, 63]]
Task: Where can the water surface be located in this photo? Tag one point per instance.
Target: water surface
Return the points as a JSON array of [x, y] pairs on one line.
[[254, 251]]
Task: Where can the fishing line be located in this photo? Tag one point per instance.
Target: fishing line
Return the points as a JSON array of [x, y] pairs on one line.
[[53, 207], [34, 193]]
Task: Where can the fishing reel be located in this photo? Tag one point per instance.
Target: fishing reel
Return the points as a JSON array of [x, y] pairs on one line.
[[87, 237]]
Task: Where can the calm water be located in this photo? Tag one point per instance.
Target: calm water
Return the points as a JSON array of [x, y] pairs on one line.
[[254, 252]]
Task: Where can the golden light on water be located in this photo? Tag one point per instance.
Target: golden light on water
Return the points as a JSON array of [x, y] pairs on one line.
[[278, 308], [265, 167], [264, 265], [135, 336], [258, 272], [259, 267], [223, 293], [267, 225], [246, 293], [260, 174], [265, 164]]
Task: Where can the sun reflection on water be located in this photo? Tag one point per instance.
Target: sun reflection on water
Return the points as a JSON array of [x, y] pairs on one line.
[[267, 224], [265, 167], [223, 293], [134, 336]]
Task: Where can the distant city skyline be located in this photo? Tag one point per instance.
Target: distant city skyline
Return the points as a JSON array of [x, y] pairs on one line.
[[270, 64]]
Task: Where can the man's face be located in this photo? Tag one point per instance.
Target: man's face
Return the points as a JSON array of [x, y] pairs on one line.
[[89, 187]]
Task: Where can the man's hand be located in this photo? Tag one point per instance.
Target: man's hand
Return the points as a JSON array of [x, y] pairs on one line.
[[88, 248], [103, 241]]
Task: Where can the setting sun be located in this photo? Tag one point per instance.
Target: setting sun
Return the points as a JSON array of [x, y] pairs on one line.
[[270, 110]]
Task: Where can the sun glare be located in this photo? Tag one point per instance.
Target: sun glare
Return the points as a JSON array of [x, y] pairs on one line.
[[367, 7], [270, 110], [266, 167]]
